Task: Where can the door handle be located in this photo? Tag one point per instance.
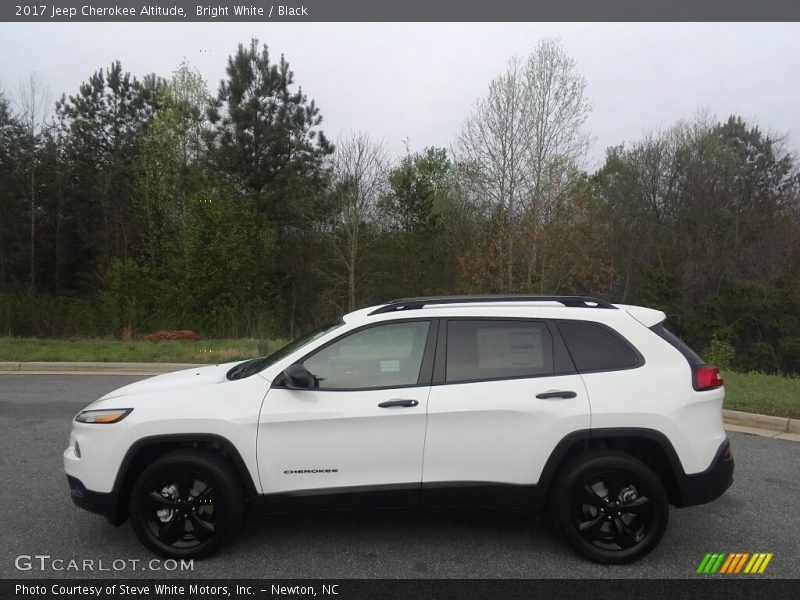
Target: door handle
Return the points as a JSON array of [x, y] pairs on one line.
[[398, 402], [556, 394]]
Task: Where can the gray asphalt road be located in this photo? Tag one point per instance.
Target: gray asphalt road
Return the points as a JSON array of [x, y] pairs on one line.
[[761, 512]]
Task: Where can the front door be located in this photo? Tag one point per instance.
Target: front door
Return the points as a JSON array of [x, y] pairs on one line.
[[363, 428]]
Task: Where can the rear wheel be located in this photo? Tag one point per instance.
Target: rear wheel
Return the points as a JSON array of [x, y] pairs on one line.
[[186, 504], [610, 507]]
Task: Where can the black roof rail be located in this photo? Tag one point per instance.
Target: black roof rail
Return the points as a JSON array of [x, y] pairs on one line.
[[417, 303]]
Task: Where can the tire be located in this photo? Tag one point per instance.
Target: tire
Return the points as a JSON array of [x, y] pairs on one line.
[[186, 504], [610, 507]]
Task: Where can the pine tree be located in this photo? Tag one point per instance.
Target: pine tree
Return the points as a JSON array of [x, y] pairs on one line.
[[267, 133], [13, 206], [104, 126]]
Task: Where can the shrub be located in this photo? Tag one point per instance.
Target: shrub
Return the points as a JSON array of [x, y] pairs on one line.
[[720, 353]]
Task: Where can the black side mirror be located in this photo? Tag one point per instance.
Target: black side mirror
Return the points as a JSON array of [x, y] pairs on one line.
[[297, 377]]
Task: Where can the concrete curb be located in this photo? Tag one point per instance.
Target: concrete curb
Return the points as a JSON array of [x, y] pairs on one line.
[[735, 417], [102, 368], [779, 428]]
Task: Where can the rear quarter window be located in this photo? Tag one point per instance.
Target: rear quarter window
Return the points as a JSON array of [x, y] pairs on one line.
[[594, 347]]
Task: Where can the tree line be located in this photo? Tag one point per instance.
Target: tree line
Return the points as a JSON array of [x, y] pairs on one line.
[[149, 203]]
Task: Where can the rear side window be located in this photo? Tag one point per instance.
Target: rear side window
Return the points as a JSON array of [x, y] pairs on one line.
[[594, 347], [497, 349]]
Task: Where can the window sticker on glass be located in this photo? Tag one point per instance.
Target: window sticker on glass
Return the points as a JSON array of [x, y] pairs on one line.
[[518, 347], [390, 366]]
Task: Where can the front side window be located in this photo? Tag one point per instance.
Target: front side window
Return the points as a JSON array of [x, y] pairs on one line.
[[497, 349], [387, 355]]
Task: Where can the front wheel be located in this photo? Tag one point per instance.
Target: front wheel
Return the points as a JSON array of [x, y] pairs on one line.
[[186, 504], [610, 507]]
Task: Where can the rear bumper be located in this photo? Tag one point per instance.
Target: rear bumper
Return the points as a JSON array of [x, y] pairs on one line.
[[700, 488]]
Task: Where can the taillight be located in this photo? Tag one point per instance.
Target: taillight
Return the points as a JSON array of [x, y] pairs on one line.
[[707, 377]]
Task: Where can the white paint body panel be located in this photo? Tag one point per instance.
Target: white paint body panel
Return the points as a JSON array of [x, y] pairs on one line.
[[346, 431], [174, 403], [659, 396], [498, 431]]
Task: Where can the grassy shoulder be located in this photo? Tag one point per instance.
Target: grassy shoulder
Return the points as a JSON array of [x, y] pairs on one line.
[[765, 394], [99, 350], [749, 392]]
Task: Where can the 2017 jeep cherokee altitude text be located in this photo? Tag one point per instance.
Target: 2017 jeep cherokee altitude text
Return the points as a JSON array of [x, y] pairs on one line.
[[591, 410]]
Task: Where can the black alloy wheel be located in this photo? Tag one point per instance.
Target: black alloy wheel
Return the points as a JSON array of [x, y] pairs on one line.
[[180, 513], [186, 504], [613, 511], [610, 507]]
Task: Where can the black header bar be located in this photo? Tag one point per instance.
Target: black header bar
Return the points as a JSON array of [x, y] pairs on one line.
[[254, 11], [706, 587]]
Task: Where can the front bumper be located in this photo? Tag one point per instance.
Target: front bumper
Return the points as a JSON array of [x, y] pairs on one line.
[[700, 488], [96, 502], [89, 476]]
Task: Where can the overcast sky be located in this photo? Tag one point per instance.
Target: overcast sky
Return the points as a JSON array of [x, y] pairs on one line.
[[420, 81]]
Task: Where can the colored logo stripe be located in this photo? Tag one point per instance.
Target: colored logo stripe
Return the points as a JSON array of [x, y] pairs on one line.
[[703, 563], [711, 562], [734, 562], [728, 562]]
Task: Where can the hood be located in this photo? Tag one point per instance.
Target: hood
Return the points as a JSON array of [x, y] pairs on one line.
[[188, 378]]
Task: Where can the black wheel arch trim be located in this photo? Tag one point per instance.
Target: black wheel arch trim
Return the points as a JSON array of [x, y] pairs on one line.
[[117, 498]]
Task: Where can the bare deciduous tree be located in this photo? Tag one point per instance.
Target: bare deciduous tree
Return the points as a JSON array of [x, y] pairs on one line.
[[34, 102], [525, 140], [359, 170], [556, 111], [494, 141]]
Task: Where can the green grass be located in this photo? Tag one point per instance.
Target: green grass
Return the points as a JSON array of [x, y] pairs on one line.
[[101, 350], [750, 392], [766, 394]]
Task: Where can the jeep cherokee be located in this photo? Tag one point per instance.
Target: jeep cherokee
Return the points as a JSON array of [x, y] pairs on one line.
[[591, 410]]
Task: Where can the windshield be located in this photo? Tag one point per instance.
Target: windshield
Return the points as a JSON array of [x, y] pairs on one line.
[[256, 365]]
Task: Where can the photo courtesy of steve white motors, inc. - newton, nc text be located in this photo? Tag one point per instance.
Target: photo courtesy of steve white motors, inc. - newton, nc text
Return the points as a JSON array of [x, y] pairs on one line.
[[426, 299]]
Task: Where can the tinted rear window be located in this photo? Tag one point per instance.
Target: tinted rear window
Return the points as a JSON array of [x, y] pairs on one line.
[[496, 349], [597, 348]]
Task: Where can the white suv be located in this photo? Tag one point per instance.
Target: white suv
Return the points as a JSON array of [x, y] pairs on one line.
[[593, 410]]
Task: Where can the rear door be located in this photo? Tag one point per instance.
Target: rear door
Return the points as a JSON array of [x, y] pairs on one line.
[[504, 394]]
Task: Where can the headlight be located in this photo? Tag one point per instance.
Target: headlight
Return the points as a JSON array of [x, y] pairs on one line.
[[111, 415]]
